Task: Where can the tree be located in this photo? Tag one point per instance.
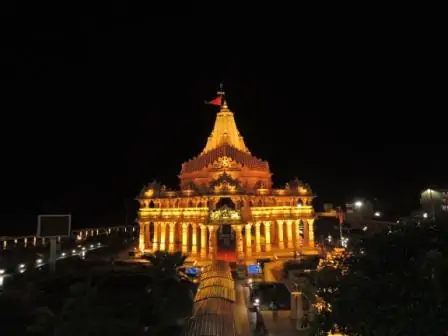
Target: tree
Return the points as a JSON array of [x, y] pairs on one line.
[[21, 310], [166, 264], [91, 310], [390, 284], [135, 301], [170, 291]]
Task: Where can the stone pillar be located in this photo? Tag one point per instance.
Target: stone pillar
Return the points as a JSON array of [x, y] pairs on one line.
[[289, 238], [162, 236], [294, 303], [267, 236], [310, 232], [306, 233], [211, 242], [281, 244], [194, 239], [147, 236], [184, 238], [300, 325], [298, 242], [203, 241], [248, 240], [141, 238], [171, 236], [155, 239], [239, 241], [257, 238]]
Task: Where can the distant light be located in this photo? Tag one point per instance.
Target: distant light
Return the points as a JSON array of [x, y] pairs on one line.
[[365, 228], [358, 204], [299, 205], [2, 271], [377, 214], [425, 215]]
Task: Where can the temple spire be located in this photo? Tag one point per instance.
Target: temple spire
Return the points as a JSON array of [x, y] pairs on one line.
[[225, 130]]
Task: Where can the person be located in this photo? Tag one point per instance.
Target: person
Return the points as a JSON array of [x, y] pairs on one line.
[[260, 328]]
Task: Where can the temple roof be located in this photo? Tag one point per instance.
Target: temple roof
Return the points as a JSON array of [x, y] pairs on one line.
[[225, 132], [225, 143], [226, 150]]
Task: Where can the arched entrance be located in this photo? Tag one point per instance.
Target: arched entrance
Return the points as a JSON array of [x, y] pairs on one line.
[[226, 243]]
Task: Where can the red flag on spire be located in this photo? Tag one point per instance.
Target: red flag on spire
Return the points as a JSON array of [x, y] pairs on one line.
[[217, 101]]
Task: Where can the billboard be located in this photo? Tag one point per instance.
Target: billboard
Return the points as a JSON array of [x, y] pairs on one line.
[[54, 226]]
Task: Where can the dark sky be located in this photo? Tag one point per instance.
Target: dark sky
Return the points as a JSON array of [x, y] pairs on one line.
[[100, 107]]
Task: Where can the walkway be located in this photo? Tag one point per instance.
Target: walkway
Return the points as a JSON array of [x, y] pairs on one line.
[[242, 323], [214, 303], [284, 326]]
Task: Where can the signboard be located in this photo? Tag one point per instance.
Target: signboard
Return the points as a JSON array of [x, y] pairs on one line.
[[192, 271], [54, 226], [254, 269], [225, 215]]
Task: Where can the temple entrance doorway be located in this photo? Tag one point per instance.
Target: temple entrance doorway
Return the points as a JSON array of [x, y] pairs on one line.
[[226, 246]]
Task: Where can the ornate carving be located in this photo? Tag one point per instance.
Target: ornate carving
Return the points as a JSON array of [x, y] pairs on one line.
[[225, 183], [259, 185], [225, 214], [299, 187], [150, 190], [190, 186], [223, 162]]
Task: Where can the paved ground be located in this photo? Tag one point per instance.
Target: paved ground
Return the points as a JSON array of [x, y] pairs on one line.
[[283, 326], [242, 323]]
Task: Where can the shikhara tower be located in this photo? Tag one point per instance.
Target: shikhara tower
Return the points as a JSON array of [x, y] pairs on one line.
[[226, 206]]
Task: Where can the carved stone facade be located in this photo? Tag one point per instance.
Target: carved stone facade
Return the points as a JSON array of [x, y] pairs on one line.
[[225, 186]]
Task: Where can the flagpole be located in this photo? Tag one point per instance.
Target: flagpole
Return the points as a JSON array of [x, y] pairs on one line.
[[221, 93]]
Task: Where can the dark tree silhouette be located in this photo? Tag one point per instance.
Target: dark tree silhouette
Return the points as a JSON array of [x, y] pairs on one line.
[[393, 283]]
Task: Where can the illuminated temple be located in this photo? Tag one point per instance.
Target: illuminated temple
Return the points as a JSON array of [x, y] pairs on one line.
[[227, 205]]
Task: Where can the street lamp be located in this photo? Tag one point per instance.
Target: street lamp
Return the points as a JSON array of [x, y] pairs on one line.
[[358, 204], [377, 214]]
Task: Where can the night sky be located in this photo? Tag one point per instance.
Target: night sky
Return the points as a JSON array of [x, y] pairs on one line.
[[101, 107]]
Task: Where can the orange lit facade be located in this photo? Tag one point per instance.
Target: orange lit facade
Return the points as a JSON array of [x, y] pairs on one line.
[[226, 188]]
